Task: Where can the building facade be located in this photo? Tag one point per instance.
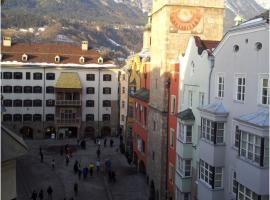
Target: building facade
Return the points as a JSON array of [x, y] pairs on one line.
[[234, 141], [179, 20], [58, 88]]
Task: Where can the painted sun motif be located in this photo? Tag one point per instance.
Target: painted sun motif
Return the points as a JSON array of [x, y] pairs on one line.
[[186, 18]]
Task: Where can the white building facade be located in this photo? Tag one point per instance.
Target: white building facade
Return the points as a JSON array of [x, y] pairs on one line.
[[234, 141], [76, 95]]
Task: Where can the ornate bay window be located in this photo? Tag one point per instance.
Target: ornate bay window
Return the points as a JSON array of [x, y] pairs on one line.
[[185, 126], [212, 131], [184, 166]]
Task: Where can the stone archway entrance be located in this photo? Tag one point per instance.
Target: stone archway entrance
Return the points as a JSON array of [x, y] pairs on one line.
[[89, 132], [105, 131], [27, 132]]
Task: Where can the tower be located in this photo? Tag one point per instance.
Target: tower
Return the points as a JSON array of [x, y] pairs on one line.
[[172, 23]]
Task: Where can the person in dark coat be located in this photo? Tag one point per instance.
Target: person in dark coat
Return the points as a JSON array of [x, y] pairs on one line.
[[50, 191], [40, 194], [79, 173], [111, 142], [76, 189], [41, 157], [105, 142], [98, 153], [34, 195], [67, 160]]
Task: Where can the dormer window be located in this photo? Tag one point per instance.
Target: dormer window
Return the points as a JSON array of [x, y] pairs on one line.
[[100, 60], [24, 57], [82, 59], [57, 58]]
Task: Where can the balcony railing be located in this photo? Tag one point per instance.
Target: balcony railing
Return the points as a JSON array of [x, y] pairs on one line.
[[68, 102], [68, 121]]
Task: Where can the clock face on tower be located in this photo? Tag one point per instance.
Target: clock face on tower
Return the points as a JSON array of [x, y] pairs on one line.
[[186, 18]]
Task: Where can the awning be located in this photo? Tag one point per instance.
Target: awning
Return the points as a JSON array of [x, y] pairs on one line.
[[68, 80]]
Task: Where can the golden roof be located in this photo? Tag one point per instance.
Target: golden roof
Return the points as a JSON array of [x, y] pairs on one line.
[[69, 80]]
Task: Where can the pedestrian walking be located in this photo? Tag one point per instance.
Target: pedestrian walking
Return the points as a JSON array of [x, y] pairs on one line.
[[98, 153], [85, 172], [105, 142], [111, 142], [67, 160], [98, 166], [34, 195], [79, 173], [40, 194], [91, 169], [50, 191], [99, 143], [41, 157], [53, 164], [76, 189], [75, 167]]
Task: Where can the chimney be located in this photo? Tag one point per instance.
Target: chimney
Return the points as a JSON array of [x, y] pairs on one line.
[[84, 45], [7, 41]]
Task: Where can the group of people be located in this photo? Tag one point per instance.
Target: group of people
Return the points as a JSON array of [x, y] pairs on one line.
[[40, 195]]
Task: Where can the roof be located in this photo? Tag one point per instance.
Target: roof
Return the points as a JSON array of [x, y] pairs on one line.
[[12, 145], [208, 45], [259, 118], [46, 52], [216, 107], [142, 94], [69, 80], [186, 115]]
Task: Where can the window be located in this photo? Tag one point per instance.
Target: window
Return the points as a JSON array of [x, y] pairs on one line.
[[220, 86], [50, 117], [90, 103], [27, 117], [37, 89], [130, 111], [236, 48], [7, 89], [258, 46], [212, 176], [7, 75], [122, 118], [106, 90], [183, 166], [123, 90], [123, 104], [17, 75], [90, 77], [37, 118], [153, 155], [90, 117], [50, 102], [50, 76], [81, 59], [57, 58], [50, 89], [27, 103], [237, 137], [171, 173], [185, 133], [7, 117], [27, 89], [173, 104], [245, 193], [154, 125], [190, 96], [28, 75], [17, 89], [17, 103], [24, 57], [106, 103], [90, 90], [171, 137], [17, 117], [107, 77], [264, 91], [7, 102], [250, 147], [37, 76], [37, 103], [106, 117], [234, 183], [201, 99], [241, 88], [212, 131]]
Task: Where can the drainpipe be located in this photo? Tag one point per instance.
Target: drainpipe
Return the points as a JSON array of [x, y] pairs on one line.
[[43, 104], [212, 63], [99, 134]]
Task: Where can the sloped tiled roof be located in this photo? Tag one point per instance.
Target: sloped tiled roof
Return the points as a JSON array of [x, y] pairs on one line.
[[12, 146], [208, 45], [142, 94], [46, 52], [259, 118], [69, 80], [216, 107], [186, 115]]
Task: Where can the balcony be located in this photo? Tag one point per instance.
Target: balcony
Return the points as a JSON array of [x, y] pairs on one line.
[[68, 121], [68, 102], [183, 183]]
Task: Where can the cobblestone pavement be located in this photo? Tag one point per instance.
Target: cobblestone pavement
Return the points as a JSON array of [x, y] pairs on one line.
[[32, 174]]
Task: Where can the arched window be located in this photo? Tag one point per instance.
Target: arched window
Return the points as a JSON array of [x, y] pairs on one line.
[[37, 89], [17, 103], [27, 89], [27, 103], [17, 117], [17, 89], [7, 117], [106, 117], [50, 89], [90, 117], [27, 117], [37, 103], [37, 117], [106, 103]]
